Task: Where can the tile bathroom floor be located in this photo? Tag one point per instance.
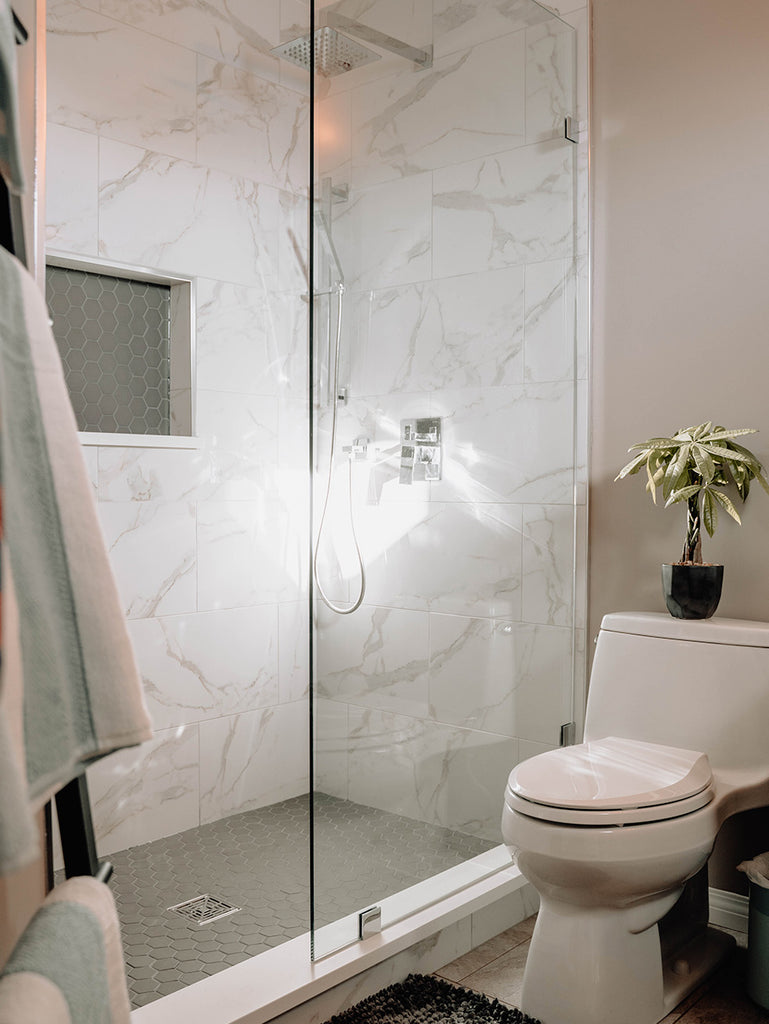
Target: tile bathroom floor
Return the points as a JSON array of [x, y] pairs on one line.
[[496, 970], [258, 861]]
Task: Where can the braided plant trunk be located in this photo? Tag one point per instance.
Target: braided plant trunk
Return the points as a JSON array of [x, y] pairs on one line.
[[693, 542]]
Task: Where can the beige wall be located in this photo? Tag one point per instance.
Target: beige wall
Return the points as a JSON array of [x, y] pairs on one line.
[[680, 280]]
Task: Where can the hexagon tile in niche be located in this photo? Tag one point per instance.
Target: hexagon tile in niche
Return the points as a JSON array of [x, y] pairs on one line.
[[113, 335]]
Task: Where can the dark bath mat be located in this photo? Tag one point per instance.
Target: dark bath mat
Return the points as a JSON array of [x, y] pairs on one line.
[[421, 999]]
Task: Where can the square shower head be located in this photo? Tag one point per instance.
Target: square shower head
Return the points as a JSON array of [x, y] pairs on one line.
[[335, 53]]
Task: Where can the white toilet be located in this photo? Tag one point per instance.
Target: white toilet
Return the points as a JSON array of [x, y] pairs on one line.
[[615, 833]]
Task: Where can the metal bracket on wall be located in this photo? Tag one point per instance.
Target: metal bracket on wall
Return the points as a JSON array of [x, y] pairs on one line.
[[568, 734], [571, 129]]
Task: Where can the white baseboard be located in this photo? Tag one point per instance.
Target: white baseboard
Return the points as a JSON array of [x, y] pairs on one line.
[[729, 910]]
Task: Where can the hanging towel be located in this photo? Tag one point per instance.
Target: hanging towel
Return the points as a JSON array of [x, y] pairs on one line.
[[81, 691], [10, 146], [67, 967]]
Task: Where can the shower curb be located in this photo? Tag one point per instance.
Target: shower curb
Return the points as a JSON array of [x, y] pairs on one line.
[[281, 979]]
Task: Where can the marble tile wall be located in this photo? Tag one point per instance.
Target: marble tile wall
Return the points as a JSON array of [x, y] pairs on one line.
[[465, 272], [458, 242], [176, 141]]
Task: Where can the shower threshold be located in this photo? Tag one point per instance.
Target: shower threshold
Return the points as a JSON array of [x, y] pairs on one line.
[[258, 861], [283, 980]]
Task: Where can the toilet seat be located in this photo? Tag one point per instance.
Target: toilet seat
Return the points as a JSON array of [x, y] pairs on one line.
[[612, 781]]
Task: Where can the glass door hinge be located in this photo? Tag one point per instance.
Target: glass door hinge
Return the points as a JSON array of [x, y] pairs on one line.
[[568, 733], [571, 129]]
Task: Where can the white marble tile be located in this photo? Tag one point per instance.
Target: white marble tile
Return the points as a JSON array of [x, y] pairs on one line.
[[107, 78], [172, 215], [288, 336], [147, 792], [250, 127], [91, 460], [253, 759], [456, 332], [530, 748], [238, 345], [376, 657], [239, 32], [152, 474], [245, 555], [548, 560], [333, 137], [550, 79], [208, 664], [457, 25], [241, 432], [458, 557], [383, 233], [582, 271], [465, 106], [509, 678], [515, 207], [330, 743], [427, 771], [293, 651], [71, 190], [152, 551], [292, 245], [506, 444], [549, 322]]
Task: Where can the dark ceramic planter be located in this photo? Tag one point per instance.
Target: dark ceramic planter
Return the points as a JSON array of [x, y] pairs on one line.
[[692, 591]]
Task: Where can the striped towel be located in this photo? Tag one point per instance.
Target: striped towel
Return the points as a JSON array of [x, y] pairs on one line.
[[67, 967], [67, 660]]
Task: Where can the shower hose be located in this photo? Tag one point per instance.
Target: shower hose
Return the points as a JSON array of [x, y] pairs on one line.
[[339, 609]]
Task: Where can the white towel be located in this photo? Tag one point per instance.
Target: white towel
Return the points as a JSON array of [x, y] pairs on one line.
[[10, 146], [67, 967], [81, 690]]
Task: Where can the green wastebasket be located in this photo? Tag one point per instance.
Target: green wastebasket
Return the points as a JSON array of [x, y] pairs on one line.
[[757, 871]]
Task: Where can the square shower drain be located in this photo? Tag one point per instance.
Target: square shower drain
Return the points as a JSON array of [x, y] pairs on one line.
[[204, 909]]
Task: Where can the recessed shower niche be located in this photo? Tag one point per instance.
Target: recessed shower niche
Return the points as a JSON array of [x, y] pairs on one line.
[[125, 341]]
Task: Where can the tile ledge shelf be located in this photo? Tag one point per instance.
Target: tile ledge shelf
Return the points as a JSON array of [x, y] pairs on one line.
[[95, 439]]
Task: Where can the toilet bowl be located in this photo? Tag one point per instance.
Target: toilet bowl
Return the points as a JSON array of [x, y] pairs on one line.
[[613, 831]]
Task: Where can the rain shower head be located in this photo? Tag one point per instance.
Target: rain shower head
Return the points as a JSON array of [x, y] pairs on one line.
[[335, 53]]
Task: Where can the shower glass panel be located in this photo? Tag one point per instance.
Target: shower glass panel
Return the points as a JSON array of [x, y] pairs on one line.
[[443, 439]]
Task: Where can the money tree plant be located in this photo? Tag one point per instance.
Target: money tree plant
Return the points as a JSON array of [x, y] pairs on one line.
[[692, 467]]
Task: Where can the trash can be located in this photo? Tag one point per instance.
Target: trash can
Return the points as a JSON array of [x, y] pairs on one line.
[[757, 871]]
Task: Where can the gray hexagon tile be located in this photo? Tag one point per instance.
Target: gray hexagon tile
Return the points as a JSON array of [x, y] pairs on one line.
[[259, 861], [114, 339]]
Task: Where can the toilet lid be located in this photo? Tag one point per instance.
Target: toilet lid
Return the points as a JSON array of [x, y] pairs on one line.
[[612, 774]]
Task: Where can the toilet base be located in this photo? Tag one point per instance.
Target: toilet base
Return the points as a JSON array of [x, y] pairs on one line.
[[588, 965]]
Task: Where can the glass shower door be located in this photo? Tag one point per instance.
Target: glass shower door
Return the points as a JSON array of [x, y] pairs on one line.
[[443, 439]]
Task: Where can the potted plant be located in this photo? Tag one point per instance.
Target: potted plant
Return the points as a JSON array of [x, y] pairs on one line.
[[692, 467]]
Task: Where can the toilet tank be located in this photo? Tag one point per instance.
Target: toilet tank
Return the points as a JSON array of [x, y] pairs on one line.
[[697, 684]]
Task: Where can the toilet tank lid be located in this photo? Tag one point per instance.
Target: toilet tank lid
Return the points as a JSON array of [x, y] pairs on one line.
[[612, 773], [737, 632]]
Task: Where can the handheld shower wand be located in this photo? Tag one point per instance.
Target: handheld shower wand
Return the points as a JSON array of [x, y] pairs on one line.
[[328, 244]]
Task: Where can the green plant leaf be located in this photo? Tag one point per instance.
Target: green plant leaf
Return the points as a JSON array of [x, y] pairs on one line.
[[651, 483], [704, 462], [709, 512], [724, 453], [720, 434], [676, 469], [683, 494], [633, 466], [726, 503]]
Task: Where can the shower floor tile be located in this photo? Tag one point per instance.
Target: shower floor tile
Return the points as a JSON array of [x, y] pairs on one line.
[[259, 861]]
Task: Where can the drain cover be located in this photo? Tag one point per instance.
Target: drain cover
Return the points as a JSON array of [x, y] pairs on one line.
[[204, 909]]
